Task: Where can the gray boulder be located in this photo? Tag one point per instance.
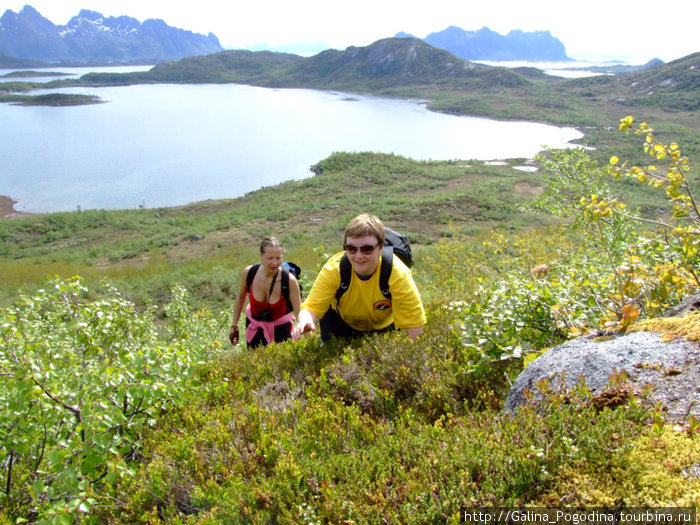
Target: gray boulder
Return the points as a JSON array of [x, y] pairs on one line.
[[673, 368]]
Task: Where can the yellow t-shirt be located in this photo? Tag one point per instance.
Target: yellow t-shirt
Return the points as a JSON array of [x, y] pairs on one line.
[[363, 306]]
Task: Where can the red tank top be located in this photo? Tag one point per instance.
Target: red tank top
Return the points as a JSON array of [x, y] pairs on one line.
[[277, 310]]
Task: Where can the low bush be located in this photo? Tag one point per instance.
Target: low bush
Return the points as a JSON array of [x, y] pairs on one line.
[[290, 452], [81, 381]]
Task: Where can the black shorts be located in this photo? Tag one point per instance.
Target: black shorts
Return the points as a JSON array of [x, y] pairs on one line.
[[332, 325], [282, 333]]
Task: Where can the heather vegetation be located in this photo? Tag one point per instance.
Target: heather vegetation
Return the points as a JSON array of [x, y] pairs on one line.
[[125, 403]]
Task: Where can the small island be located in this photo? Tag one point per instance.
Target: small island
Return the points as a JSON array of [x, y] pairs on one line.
[[32, 74], [51, 99], [10, 91]]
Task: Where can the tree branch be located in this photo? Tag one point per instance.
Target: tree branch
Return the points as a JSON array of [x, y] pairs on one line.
[[74, 410]]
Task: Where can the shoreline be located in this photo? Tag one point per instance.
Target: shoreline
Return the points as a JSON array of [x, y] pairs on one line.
[[7, 208]]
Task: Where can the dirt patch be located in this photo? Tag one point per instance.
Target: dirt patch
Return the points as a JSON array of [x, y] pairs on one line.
[[527, 189], [210, 243], [464, 181]]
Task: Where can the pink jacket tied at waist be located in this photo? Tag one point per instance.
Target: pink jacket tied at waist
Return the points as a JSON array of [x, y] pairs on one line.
[[267, 326]]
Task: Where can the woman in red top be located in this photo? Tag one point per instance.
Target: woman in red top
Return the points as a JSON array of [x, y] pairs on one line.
[[269, 315]]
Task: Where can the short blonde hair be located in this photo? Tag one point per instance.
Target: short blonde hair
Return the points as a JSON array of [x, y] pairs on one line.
[[364, 225]]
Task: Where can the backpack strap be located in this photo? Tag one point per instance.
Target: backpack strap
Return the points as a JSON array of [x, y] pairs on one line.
[[285, 288], [251, 274], [285, 283], [345, 268], [385, 270]]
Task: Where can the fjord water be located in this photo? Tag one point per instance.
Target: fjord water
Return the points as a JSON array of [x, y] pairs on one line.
[[166, 145]]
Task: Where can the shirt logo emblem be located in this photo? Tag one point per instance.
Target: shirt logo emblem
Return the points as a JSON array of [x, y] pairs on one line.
[[382, 305]]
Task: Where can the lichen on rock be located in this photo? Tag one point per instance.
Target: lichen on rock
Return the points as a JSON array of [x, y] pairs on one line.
[[671, 328]]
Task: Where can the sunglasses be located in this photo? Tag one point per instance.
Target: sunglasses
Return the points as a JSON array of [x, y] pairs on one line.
[[366, 249]]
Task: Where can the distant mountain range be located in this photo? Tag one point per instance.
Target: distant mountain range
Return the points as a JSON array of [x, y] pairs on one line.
[[485, 44], [91, 38], [27, 38]]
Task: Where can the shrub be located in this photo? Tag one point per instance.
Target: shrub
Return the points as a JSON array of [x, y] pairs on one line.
[[621, 271], [319, 457], [81, 382]]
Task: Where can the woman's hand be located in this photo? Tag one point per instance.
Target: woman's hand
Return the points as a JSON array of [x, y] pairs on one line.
[[233, 335]]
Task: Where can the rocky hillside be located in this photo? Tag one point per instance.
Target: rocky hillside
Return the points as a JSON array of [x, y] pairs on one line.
[[90, 37], [673, 86], [387, 63]]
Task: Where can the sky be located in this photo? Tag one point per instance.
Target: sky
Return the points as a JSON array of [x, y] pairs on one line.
[[631, 30]]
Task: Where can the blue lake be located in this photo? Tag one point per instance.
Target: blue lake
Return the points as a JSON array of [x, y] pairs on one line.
[[166, 145]]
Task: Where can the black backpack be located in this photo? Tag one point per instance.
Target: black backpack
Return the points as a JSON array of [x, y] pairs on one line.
[[401, 246], [394, 243], [287, 267]]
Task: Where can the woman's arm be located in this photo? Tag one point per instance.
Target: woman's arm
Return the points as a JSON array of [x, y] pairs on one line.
[[239, 303]]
